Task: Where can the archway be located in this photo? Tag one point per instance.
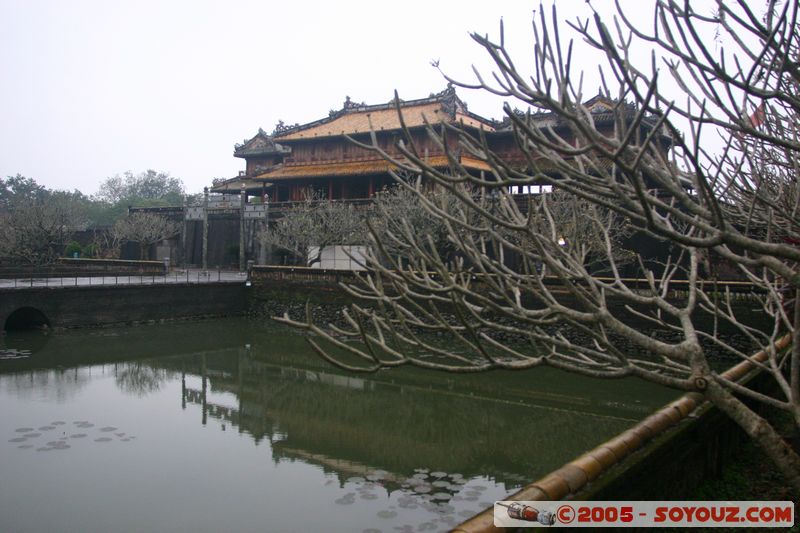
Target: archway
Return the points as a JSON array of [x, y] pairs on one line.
[[26, 318]]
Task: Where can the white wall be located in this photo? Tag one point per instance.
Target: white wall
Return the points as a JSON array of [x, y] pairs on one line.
[[337, 258]]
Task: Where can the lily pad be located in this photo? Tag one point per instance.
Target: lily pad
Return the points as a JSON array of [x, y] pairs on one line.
[[347, 499]]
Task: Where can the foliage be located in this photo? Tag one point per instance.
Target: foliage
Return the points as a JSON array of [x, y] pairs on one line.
[[72, 248], [149, 187], [16, 190], [146, 189], [655, 171], [91, 250]]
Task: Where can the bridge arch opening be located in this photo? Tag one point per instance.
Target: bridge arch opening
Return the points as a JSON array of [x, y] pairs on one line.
[[26, 318]]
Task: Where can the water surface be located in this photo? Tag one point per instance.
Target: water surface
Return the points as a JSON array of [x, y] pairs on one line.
[[235, 425]]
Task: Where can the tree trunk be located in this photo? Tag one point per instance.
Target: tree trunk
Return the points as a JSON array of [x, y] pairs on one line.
[[763, 434]]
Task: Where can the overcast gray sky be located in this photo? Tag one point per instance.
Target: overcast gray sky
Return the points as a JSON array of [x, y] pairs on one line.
[[95, 88]]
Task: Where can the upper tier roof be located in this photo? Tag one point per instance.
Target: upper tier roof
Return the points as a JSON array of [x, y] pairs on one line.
[[356, 118]]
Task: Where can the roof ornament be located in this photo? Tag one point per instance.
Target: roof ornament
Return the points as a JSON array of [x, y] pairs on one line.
[[450, 102], [280, 127], [349, 104]]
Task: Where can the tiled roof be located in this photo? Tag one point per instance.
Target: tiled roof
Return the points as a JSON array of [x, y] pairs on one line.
[[261, 144], [355, 118], [381, 120], [330, 169], [235, 185]]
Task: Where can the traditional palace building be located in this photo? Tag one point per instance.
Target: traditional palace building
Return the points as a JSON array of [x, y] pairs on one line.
[[318, 156], [282, 167]]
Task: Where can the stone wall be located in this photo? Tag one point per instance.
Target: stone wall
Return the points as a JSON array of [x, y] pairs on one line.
[[88, 306], [279, 290], [69, 267]]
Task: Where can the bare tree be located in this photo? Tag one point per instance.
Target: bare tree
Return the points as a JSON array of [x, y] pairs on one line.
[[144, 228], [397, 212], [313, 224], [34, 231], [737, 72]]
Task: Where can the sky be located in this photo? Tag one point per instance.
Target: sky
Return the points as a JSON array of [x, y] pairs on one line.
[[91, 89]]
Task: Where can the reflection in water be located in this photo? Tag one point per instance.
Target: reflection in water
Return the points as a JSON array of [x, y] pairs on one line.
[[140, 379], [349, 425], [57, 386], [194, 409]]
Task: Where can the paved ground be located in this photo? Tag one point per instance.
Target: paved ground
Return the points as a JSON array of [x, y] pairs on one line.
[[176, 276]]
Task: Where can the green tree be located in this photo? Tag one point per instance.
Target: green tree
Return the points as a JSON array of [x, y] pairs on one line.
[[19, 189], [149, 188]]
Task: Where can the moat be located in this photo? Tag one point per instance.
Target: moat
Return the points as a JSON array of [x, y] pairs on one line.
[[236, 425]]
